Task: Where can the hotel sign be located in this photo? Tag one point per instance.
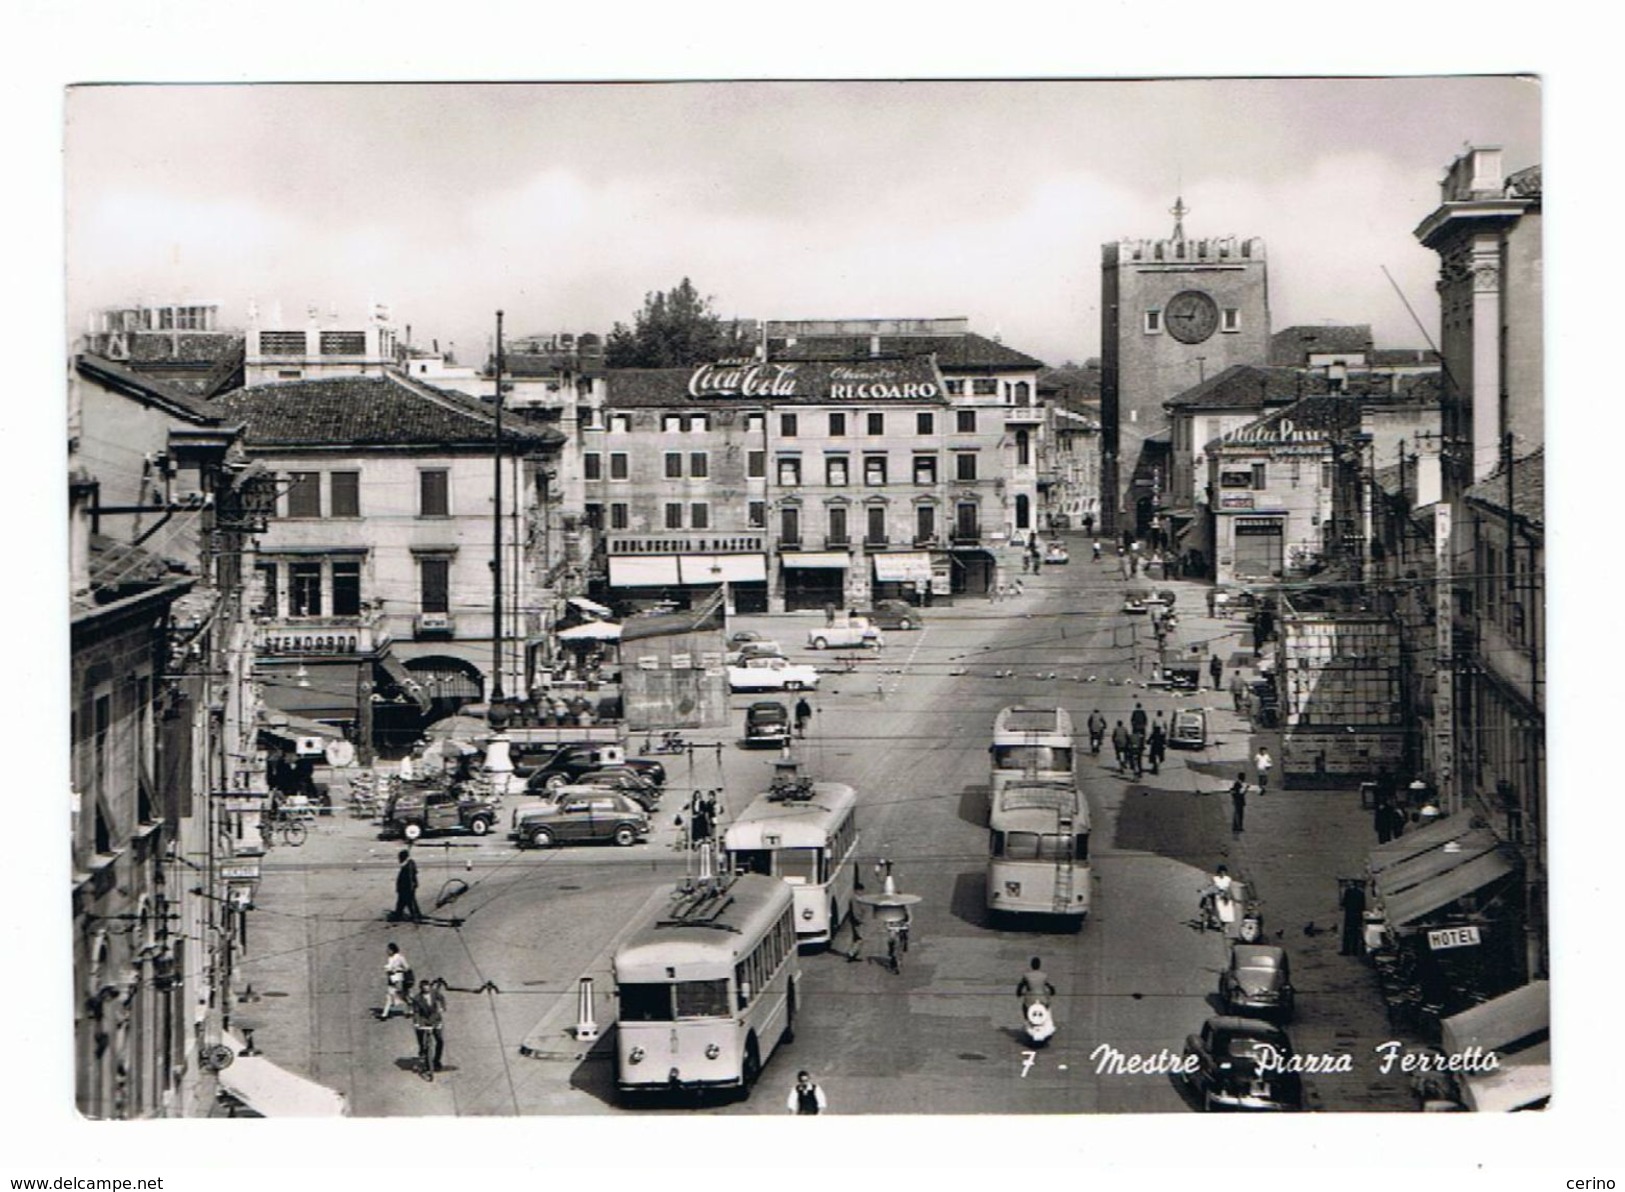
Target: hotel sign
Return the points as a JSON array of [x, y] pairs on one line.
[[1453, 937]]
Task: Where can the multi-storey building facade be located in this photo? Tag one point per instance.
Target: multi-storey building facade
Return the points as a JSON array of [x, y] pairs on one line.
[[1173, 312], [276, 350], [375, 582]]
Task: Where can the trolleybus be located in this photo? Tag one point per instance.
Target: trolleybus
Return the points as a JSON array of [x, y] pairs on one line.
[[1031, 743], [1038, 851], [806, 834], [708, 988]]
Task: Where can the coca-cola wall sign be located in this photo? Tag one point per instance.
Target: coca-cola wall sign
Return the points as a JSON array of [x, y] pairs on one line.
[[892, 380]]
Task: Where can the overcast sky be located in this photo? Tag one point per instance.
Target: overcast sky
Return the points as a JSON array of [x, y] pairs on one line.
[[564, 204]]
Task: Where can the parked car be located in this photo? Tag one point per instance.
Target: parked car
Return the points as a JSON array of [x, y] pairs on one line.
[[1225, 1057], [625, 780], [1257, 983], [771, 674], [1134, 600], [856, 631], [767, 722], [416, 808], [1189, 729], [756, 649], [580, 815], [1055, 552], [572, 761], [743, 636], [894, 614]]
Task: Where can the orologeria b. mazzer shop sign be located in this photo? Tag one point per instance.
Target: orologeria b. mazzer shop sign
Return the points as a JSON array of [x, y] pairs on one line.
[[894, 380]]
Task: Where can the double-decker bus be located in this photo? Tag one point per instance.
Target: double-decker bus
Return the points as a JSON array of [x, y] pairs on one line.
[[1038, 850], [708, 989], [804, 833], [1031, 743]]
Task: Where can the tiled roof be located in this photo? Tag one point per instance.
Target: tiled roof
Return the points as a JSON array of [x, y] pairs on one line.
[[707, 617], [955, 353], [1320, 417], [1293, 345], [1399, 357], [189, 347], [1528, 488], [119, 571], [366, 411], [162, 392], [1248, 386]]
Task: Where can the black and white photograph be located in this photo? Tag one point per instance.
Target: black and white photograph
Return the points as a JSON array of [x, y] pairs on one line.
[[660, 601]]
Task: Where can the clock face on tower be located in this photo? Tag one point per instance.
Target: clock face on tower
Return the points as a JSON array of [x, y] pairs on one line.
[[1191, 316]]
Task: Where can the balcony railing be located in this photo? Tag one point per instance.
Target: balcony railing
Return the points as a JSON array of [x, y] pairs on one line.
[[837, 542], [790, 543], [967, 535], [871, 541]]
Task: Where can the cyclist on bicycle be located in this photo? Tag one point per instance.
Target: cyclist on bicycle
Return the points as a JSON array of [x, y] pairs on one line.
[[429, 1020]]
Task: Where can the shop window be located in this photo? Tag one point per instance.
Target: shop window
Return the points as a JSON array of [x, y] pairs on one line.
[[434, 496], [305, 494], [434, 585], [344, 494]]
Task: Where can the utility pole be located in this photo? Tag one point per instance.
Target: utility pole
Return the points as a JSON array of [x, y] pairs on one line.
[[496, 534]]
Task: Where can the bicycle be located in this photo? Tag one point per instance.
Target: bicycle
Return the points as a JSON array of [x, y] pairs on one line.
[[896, 944], [290, 825]]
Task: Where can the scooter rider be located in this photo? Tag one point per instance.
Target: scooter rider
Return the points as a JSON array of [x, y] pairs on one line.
[[1034, 986], [1035, 992]]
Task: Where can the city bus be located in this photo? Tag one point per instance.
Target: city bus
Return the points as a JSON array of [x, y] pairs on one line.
[[1038, 851], [708, 989], [1031, 743], [806, 834]]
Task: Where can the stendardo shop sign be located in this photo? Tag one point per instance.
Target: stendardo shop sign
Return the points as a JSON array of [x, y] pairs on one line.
[[893, 381]]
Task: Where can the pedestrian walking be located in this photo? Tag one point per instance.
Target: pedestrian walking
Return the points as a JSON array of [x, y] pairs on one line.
[[406, 889], [805, 1096], [1262, 763], [702, 810], [829, 614], [1120, 743], [1216, 669], [1382, 820], [397, 981], [1212, 599], [1353, 903], [1238, 803], [1097, 731], [804, 714], [1097, 551], [1136, 753], [1157, 744], [428, 1006], [1138, 720], [1238, 692]]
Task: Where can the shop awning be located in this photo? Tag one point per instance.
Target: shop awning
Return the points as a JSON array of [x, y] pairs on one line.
[[1525, 1083], [1407, 906], [1415, 843], [593, 631], [1426, 866], [275, 1092], [826, 560], [1522, 1016], [405, 681], [716, 569], [291, 727], [643, 571], [902, 568], [589, 606]]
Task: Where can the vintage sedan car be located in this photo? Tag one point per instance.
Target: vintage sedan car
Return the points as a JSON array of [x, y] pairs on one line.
[[416, 808], [1242, 1063], [1257, 983], [580, 815], [755, 649], [767, 722], [1055, 552], [1189, 729], [1135, 600], [569, 763], [855, 631], [771, 674], [625, 780], [894, 614]]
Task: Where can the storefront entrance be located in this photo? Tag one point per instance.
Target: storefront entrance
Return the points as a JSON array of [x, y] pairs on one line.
[[1259, 553]]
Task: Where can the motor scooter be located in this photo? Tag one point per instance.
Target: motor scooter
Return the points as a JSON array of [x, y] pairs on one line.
[[1039, 1023]]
